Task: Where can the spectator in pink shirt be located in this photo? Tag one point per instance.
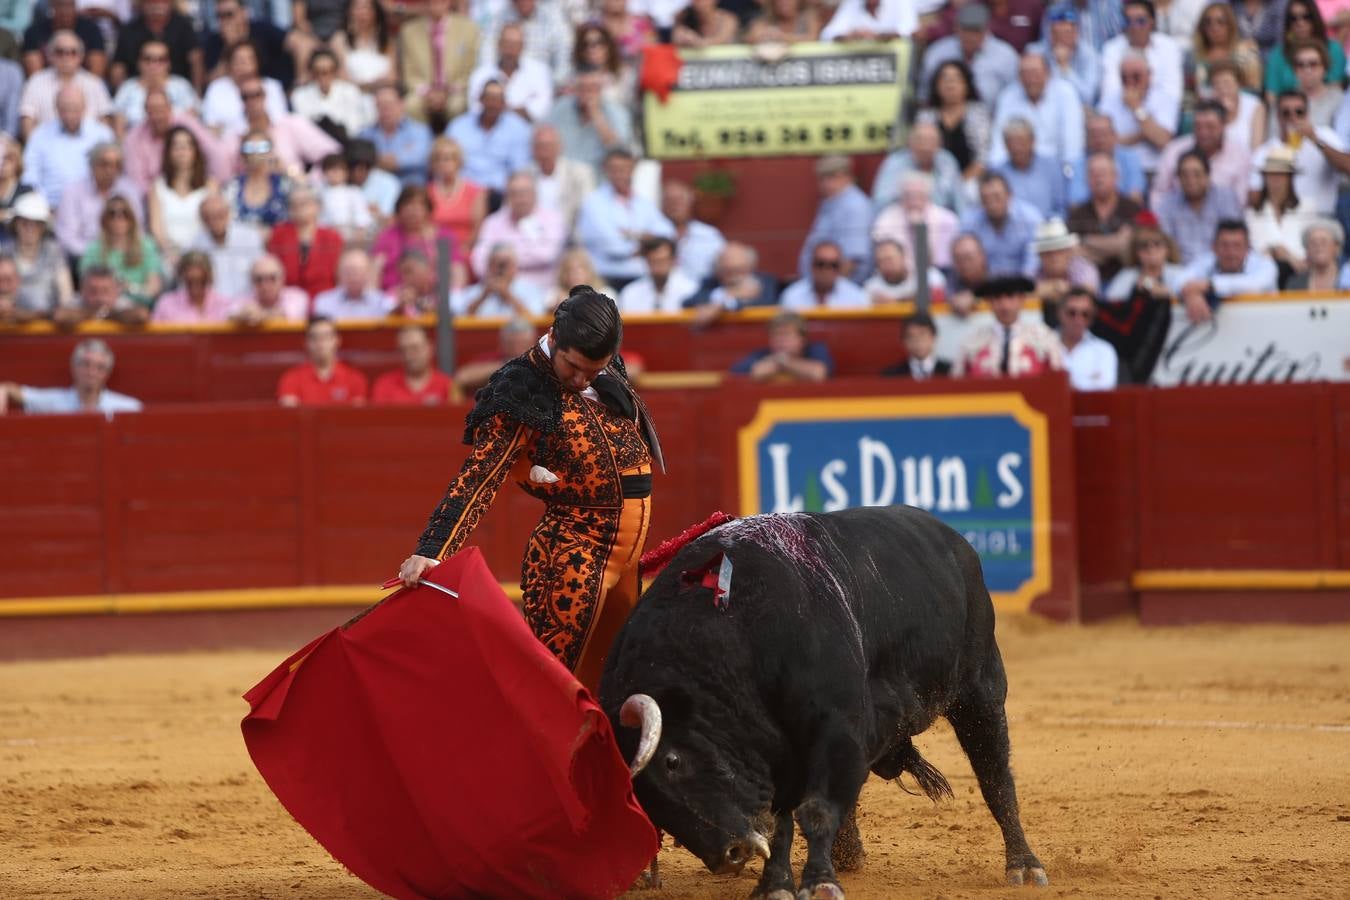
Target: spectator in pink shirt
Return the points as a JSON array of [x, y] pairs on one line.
[[413, 229], [144, 143], [272, 299], [82, 201], [196, 302], [536, 234], [914, 203], [296, 141]]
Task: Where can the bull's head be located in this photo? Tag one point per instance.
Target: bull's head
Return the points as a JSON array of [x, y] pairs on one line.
[[693, 789]]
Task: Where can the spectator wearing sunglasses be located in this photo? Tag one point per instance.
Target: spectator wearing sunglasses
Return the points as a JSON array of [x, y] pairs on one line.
[[62, 15], [1143, 113], [1319, 154], [223, 106], [825, 287], [1164, 54], [37, 104], [1302, 22], [1091, 362], [296, 141], [129, 104]]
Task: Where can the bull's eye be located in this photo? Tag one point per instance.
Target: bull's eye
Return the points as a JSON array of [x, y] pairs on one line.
[[672, 761]]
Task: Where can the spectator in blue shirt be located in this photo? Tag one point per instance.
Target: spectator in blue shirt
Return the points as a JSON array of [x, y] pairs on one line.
[[843, 217], [1101, 138], [1070, 57], [1052, 107], [1004, 226], [789, 356], [1033, 178], [1231, 268], [588, 122], [57, 152], [923, 153], [403, 145], [614, 222], [495, 141]]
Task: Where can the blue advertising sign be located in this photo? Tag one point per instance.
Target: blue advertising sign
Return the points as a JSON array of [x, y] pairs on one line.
[[979, 462]]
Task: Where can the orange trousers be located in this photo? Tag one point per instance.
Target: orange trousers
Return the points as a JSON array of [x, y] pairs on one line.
[[579, 580]]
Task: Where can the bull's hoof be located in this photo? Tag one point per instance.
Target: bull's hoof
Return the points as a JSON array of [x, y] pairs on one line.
[[1033, 875], [823, 891]]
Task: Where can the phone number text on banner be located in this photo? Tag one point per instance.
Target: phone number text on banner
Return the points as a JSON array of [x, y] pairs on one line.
[[819, 98]]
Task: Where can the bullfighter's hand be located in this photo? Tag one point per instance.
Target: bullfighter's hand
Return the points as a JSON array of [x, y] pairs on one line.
[[414, 567]]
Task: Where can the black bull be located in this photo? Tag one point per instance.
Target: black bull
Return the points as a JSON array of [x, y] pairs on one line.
[[844, 634]]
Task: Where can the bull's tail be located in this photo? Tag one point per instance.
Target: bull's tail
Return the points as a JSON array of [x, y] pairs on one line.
[[931, 781], [903, 757]]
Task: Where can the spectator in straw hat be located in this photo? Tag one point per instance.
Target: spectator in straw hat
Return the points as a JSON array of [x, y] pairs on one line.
[[1276, 219], [1062, 267]]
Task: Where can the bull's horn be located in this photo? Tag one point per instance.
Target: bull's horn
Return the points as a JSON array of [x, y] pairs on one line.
[[641, 711], [761, 845]]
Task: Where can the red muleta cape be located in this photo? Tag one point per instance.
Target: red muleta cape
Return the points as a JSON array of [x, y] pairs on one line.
[[436, 749]]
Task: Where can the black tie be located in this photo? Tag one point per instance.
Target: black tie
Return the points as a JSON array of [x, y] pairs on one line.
[[1003, 360]]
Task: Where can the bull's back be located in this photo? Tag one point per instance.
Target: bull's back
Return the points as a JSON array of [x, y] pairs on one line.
[[924, 608]]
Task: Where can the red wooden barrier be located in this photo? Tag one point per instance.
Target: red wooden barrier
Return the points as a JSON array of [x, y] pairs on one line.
[[1244, 488], [1228, 479], [237, 496], [1106, 471]]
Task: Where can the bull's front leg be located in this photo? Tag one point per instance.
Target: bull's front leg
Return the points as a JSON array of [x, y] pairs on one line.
[[776, 882], [835, 776]]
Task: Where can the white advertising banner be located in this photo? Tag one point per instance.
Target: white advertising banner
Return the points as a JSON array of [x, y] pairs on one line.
[[1259, 342]]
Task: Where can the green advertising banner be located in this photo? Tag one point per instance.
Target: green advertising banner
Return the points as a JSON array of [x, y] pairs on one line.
[[813, 99]]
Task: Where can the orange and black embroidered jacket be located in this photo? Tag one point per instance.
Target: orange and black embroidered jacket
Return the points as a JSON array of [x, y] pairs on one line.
[[524, 417]]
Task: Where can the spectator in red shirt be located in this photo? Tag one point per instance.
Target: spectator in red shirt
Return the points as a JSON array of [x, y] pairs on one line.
[[418, 382], [324, 379], [308, 252]]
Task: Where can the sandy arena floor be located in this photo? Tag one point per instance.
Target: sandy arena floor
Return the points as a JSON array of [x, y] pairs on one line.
[[1208, 762]]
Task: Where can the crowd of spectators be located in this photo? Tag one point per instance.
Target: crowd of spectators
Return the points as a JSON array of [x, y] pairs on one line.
[[218, 161]]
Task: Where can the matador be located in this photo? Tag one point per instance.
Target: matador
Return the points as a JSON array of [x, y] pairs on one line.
[[564, 422]]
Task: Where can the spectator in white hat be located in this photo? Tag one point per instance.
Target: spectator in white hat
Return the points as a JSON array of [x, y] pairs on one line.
[[44, 277], [1277, 218], [1061, 266]]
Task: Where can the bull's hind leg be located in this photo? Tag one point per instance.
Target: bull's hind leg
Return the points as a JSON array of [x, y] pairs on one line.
[[982, 728], [848, 853], [836, 773]]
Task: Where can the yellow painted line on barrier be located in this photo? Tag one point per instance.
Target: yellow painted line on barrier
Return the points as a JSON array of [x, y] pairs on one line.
[[1240, 579], [363, 595], [202, 601]]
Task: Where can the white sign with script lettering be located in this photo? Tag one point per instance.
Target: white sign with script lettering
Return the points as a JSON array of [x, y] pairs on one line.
[[1260, 342]]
